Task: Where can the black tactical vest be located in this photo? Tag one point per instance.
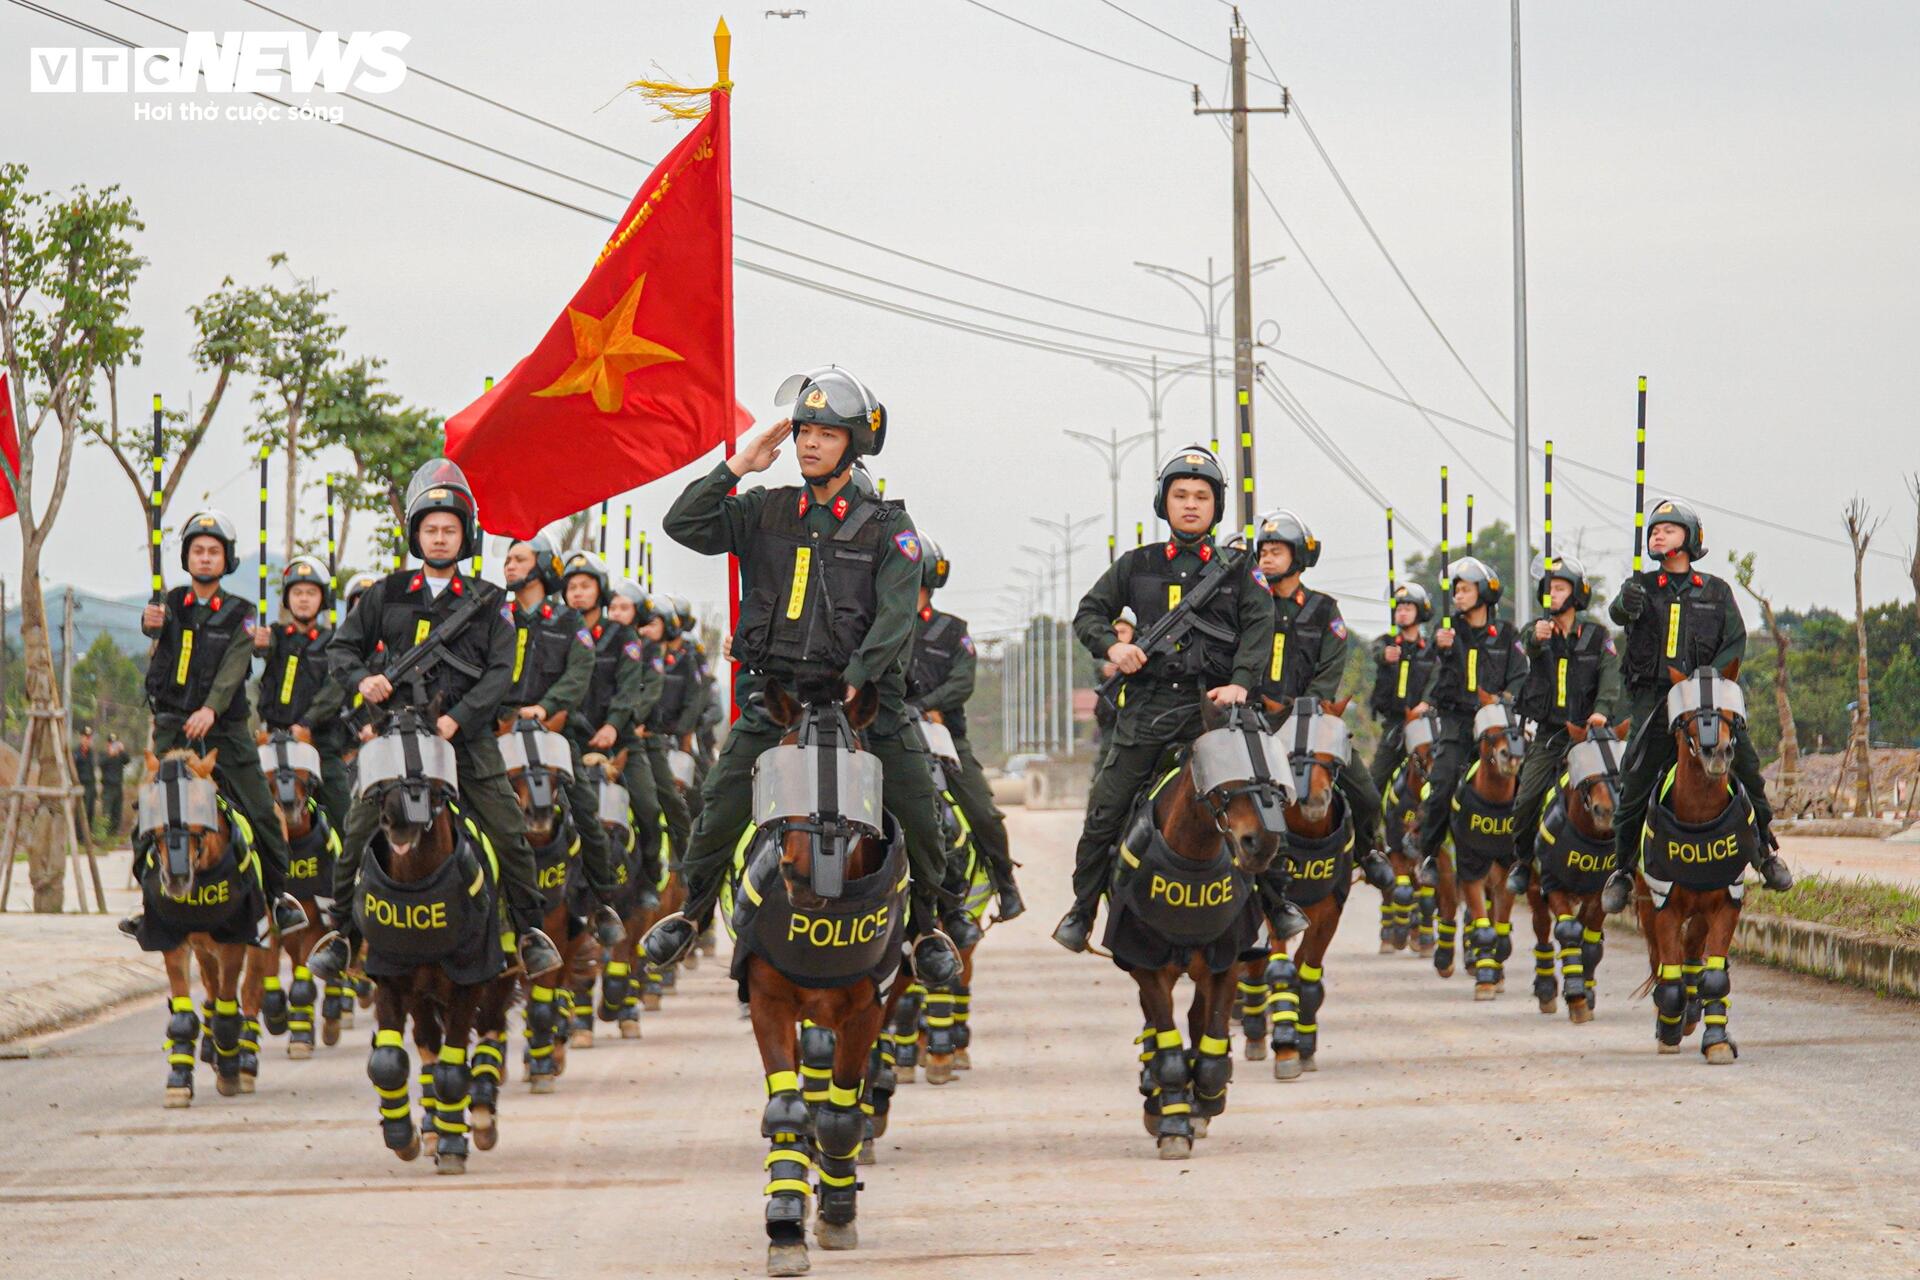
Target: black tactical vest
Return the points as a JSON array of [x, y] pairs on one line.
[[1684, 627], [1155, 587], [1712, 855], [808, 599], [1480, 659], [185, 658], [1569, 860], [609, 651], [1296, 647], [677, 668], [296, 668], [540, 648], [408, 617], [935, 649], [1564, 681], [1402, 685]]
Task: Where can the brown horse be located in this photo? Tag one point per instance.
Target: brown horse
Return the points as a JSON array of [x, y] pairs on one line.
[[1481, 842], [1694, 851], [821, 947], [1184, 904], [1407, 910], [620, 1001], [1319, 849], [202, 900], [1574, 847], [291, 772]]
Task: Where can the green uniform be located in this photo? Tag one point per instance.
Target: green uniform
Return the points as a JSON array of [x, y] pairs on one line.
[[661, 730], [1486, 658], [830, 594], [1569, 678], [1397, 689], [202, 655], [1308, 658], [297, 690], [1690, 621], [1160, 705], [940, 678]]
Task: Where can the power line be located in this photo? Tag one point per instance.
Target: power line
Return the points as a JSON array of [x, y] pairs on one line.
[[1110, 57]]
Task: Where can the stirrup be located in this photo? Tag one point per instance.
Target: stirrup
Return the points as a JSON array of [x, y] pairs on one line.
[[942, 964], [329, 957], [1074, 929], [131, 925], [1617, 892]]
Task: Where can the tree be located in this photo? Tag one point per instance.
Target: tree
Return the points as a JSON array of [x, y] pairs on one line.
[[1782, 642], [67, 269], [296, 347], [1913, 565], [1860, 534], [387, 440]]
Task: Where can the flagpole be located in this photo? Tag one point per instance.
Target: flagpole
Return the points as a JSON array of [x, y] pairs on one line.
[[720, 101]]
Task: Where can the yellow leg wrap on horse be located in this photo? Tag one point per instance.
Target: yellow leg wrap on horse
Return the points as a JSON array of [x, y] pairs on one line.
[[836, 1096], [1213, 1045]]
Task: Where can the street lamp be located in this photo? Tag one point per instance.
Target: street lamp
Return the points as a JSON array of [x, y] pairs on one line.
[[1150, 387], [1113, 448], [1210, 316]]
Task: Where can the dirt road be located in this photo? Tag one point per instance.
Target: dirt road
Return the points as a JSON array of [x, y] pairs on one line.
[[1440, 1138]]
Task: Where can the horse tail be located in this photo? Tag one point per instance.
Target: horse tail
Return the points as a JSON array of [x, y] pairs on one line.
[[1646, 988]]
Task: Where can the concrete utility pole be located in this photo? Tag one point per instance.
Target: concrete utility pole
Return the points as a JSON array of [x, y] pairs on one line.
[[1522, 525], [1243, 366], [1114, 448]]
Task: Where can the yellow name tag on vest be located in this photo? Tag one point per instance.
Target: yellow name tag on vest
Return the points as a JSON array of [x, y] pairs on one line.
[[186, 656], [802, 566], [1401, 690], [421, 629], [1673, 630], [1473, 670], [1560, 684], [1173, 596], [519, 652], [1279, 657], [286, 681]]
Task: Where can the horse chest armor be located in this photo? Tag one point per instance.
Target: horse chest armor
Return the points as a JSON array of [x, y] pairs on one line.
[[1320, 865], [1710, 855], [1481, 827], [553, 860], [422, 922], [837, 943], [1181, 900], [216, 896], [1568, 858], [1399, 805], [310, 858]]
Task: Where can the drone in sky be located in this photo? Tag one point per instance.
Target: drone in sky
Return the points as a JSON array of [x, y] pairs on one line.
[[786, 13]]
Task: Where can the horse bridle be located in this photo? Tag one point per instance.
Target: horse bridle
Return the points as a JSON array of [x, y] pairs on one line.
[[286, 778], [1706, 716], [540, 782], [1516, 730], [1266, 792], [832, 833]]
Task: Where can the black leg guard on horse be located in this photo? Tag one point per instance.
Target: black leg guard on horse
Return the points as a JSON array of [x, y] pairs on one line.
[[1716, 989], [249, 1051], [387, 1067], [1670, 1005], [300, 998], [785, 1125], [1480, 944], [1172, 1099], [1593, 945], [881, 1082], [183, 1028], [1253, 1011], [940, 1022], [542, 1020], [816, 1063], [906, 1027], [1573, 969], [1445, 932], [227, 1025], [839, 1128], [207, 1054], [962, 1010], [1284, 981], [1545, 988], [1690, 976], [1425, 908], [1212, 1068], [616, 994], [1312, 993], [429, 1105], [488, 1070], [273, 1006], [450, 1081]]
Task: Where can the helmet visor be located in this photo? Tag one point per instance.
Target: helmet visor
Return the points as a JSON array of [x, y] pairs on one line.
[[440, 473], [845, 394]]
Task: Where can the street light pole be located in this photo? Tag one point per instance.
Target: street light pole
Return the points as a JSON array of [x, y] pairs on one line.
[[1113, 448], [1210, 316], [1066, 528], [1153, 389]]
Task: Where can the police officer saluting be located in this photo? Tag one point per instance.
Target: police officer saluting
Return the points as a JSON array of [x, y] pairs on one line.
[[829, 577], [202, 655], [401, 611], [296, 689], [1677, 619], [940, 679], [552, 668], [1403, 663], [1482, 653], [1309, 657], [1161, 696], [1572, 678]]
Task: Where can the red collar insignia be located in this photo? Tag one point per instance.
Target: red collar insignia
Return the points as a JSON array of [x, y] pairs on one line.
[[926, 615], [1662, 580], [546, 610], [214, 604], [1299, 595], [1173, 549], [596, 631], [804, 504], [1697, 582], [840, 507], [1206, 553], [419, 580], [458, 587]]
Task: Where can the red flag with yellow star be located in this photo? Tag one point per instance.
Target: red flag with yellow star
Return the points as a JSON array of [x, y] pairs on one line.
[[635, 377]]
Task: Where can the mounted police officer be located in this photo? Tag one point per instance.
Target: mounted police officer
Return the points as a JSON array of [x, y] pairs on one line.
[[1483, 653], [666, 726], [296, 689], [401, 611], [623, 687], [1308, 660], [1572, 678], [1403, 663], [940, 679], [202, 655], [1677, 619], [553, 664], [1159, 703], [830, 576]]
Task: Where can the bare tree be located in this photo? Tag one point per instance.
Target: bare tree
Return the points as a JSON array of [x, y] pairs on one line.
[[1789, 736], [1860, 531]]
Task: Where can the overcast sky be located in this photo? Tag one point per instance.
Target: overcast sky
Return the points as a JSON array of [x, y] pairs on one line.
[[1720, 197]]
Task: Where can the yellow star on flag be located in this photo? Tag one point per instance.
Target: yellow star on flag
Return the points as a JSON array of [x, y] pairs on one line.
[[606, 350]]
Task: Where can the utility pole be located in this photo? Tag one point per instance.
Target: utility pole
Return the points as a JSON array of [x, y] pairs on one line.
[[1522, 524], [1114, 449], [1061, 632], [1243, 368]]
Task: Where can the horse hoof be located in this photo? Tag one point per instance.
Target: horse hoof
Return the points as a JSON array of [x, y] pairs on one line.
[[412, 1150], [581, 1039], [1484, 991], [1446, 972], [540, 1084], [430, 1143], [1386, 947], [1668, 1048], [227, 1085], [1152, 1123], [836, 1235], [246, 1082], [447, 1163], [1200, 1126], [330, 1031], [962, 1060], [1719, 1055], [787, 1260], [1256, 1050], [1286, 1066], [651, 1003], [1578, 1012], [1500, 986], [1309, 1064], [868, 1154], [939, 1071], [346, 1018], [630, 1029], [178, 1097], [1552, 1005], [879, 1130], [1173, 1147], [907, 1073], [485, 1132], [299, 1050]]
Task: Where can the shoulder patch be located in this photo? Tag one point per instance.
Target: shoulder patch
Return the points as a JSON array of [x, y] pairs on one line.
[[1608, 646], [658, 665], [1339, 627], [1259, 577], [506, 610], [966, 642], [909, 544], [584, 636], [632, 649]]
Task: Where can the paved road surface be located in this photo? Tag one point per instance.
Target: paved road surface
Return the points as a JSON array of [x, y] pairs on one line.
[[1440, 1139]]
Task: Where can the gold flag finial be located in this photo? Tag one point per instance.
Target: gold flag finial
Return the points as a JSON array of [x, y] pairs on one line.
[[722, 54]]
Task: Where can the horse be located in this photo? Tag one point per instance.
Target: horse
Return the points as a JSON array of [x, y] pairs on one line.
[[1574, 848], [437, 949], [1481, 838], [1319, 849], [1695, 847], [291, 764], [819, 917], [1407, 910], [203, 902], [1183, 903], [620, 1002]]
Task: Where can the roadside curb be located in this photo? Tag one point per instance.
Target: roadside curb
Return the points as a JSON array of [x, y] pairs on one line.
[[48, 1006], [1821, 951]]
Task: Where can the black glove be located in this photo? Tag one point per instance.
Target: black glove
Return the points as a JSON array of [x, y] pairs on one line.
[[1633, 597]]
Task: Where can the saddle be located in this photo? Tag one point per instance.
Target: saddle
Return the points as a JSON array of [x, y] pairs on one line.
[[1712, 855], [1164, 907], [450, 919], [1570, 861], [836, 944], [228, 903]]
